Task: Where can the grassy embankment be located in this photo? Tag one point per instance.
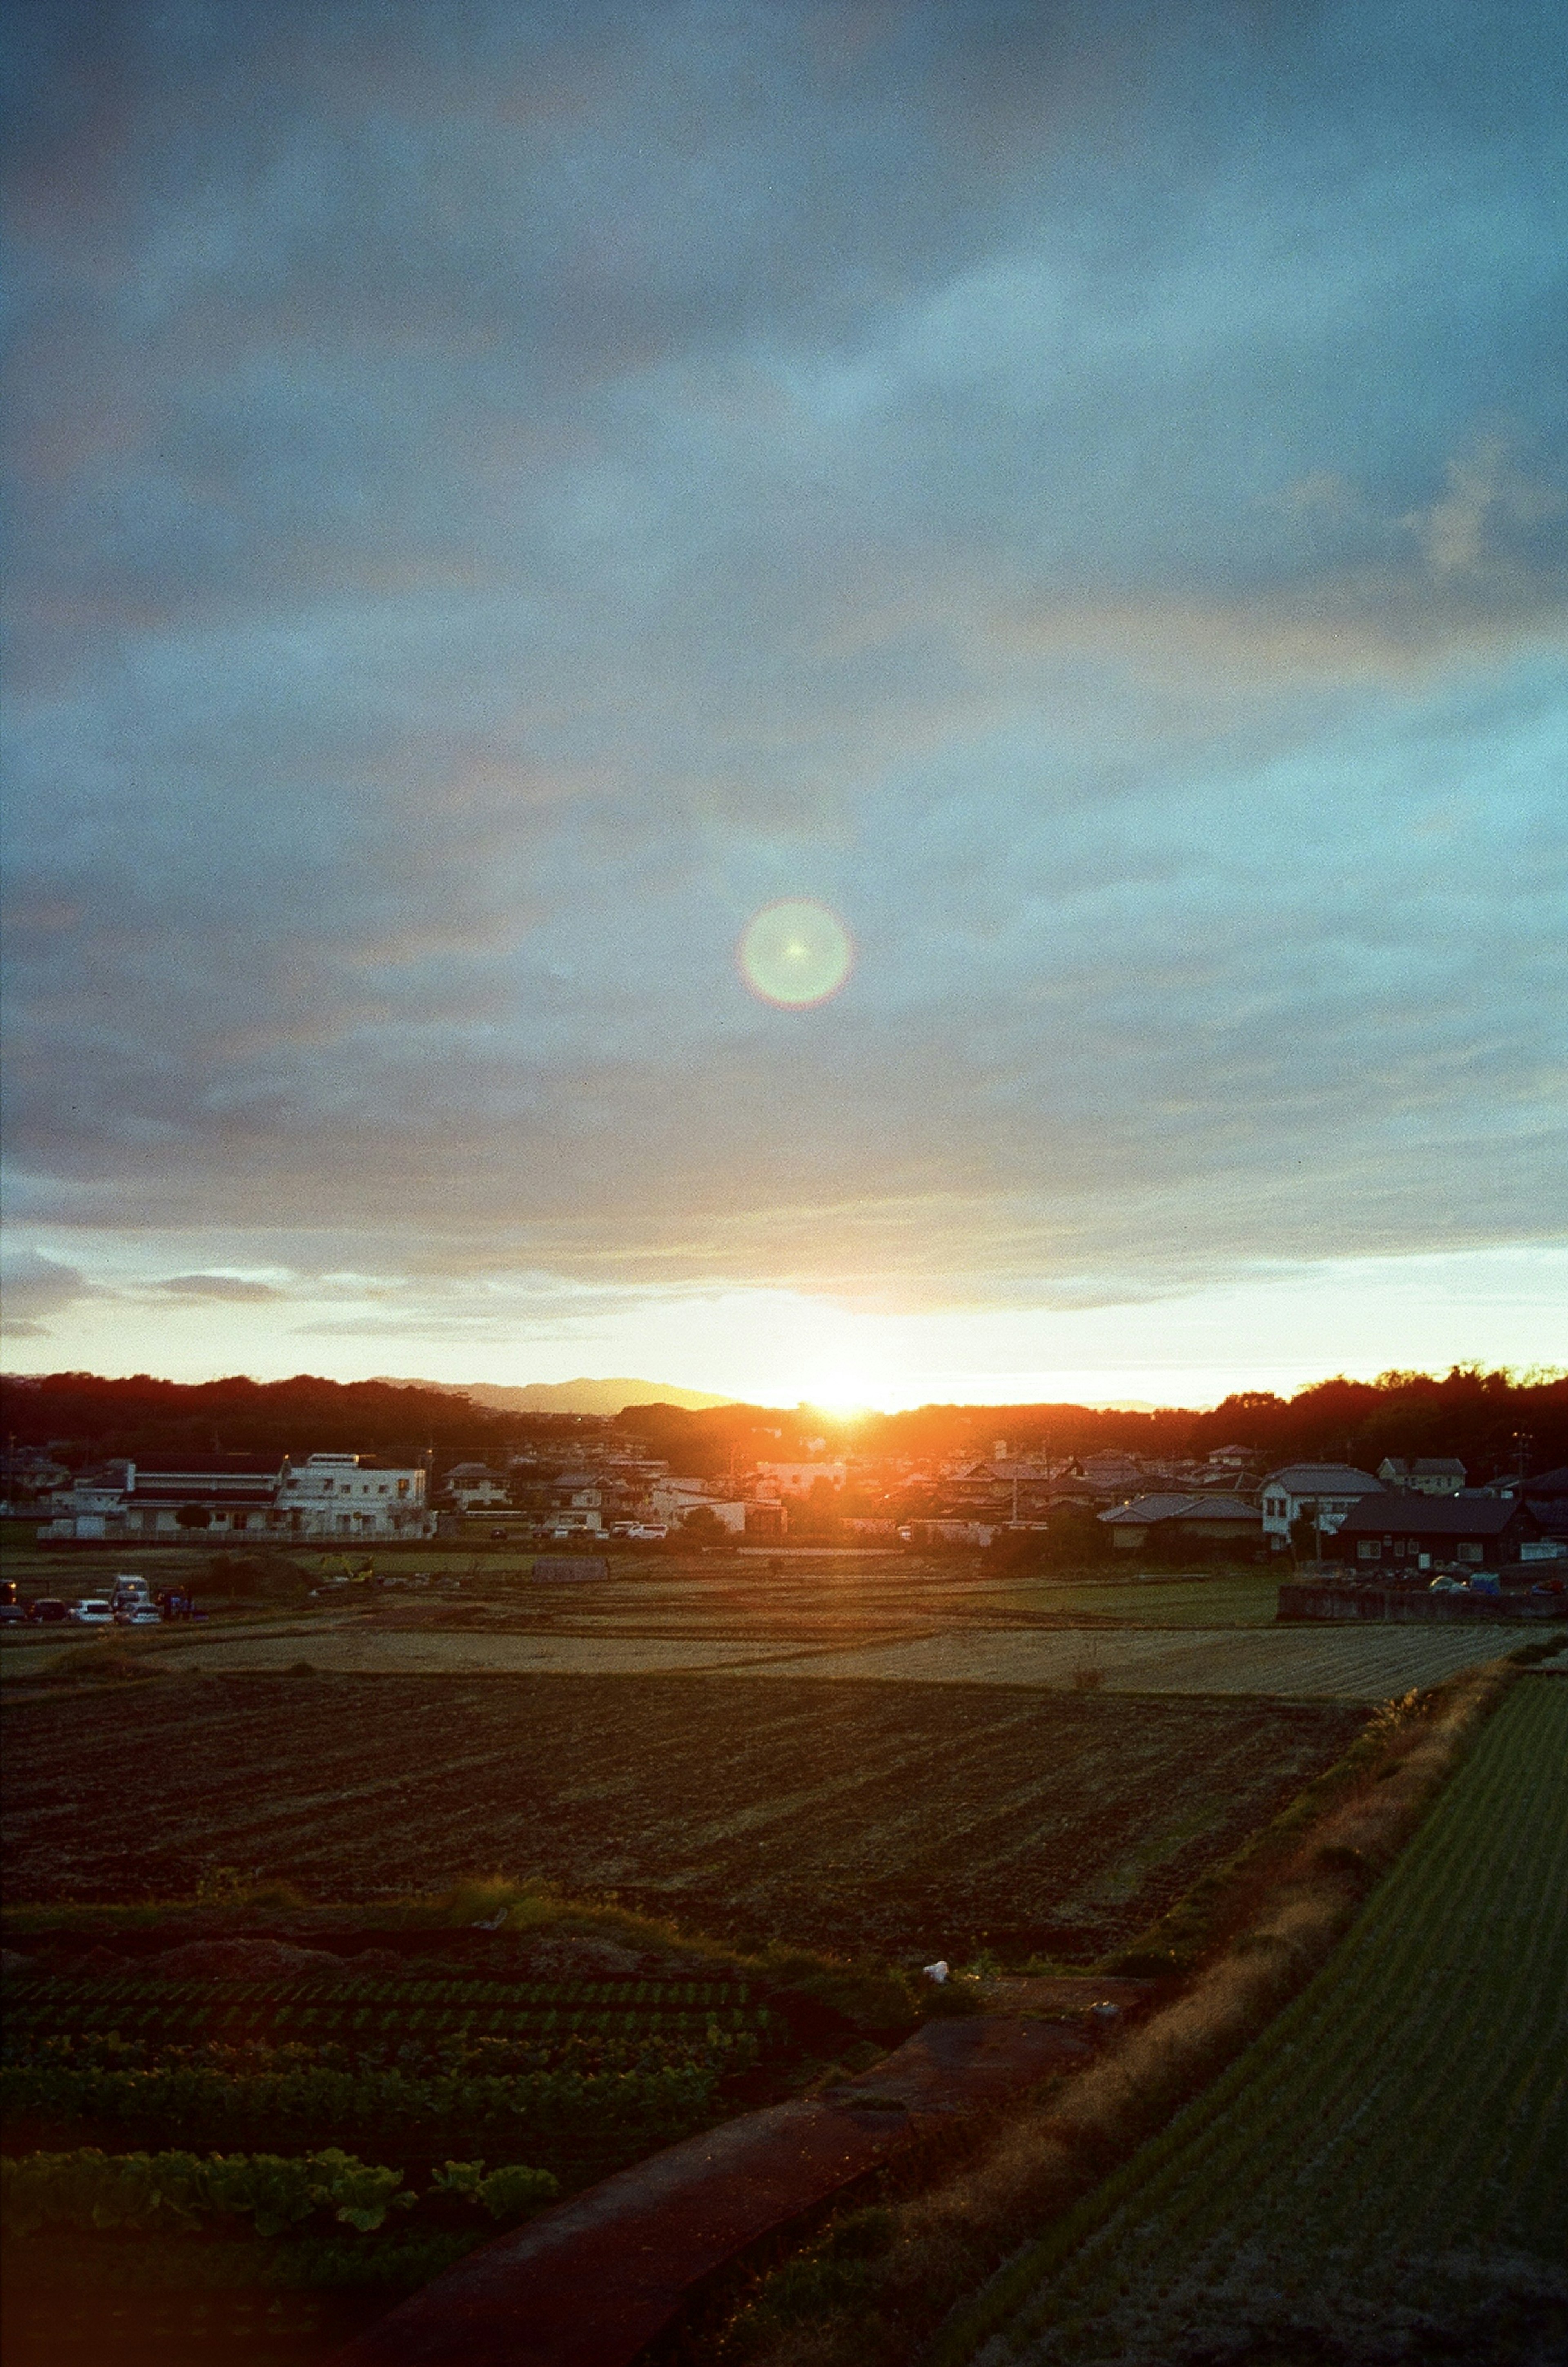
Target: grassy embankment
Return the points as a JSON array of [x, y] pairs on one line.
[[877, 2286]]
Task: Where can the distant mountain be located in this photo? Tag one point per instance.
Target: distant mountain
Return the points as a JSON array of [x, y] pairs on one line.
[[566, 1397]]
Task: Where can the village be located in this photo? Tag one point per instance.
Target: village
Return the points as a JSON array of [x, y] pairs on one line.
[[602, 1488]]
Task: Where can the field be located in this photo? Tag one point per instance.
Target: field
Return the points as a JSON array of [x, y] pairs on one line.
[[914, 1820], [223, 2083], [1385, 2172]]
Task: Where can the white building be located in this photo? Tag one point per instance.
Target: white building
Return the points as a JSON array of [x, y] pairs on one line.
[[1325, 1490], [474, 1490], [353, 1496], [797, 1479], [1429, 1475]]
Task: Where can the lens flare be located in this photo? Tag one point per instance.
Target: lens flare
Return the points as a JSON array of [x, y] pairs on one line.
[[796, 954]]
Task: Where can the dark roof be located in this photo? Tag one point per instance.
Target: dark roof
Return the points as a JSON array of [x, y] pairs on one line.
[[1429, 1516], [195, 1487], [1322, 1480], [1548, 1483], [1145, 1511]]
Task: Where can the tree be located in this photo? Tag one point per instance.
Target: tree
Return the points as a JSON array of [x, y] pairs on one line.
[[1305, 1542], [703, 1527]]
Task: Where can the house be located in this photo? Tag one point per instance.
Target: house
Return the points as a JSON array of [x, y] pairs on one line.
[[1547, 1495], [124, 1501], [1010, 1489], [675, 1501], [1394, 1535], [1429, 1475], [797, 1479], [474, 1490], [352, 1496], [1323, 1491], [1108, 1473], [1204, 1521], [236, 1503]]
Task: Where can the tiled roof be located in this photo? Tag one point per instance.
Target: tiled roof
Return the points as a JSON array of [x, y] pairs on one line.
[[1147, 1508], [1143, 1509], [1429, 1516], [1322, 1480]]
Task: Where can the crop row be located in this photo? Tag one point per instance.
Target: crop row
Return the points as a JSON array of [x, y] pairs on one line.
[[372, 2021], [1405, 2118], [90, 2191], [628, 1995], [209, 2106]]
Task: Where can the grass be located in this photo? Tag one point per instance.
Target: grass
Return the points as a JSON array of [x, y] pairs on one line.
[[1394, 2147]]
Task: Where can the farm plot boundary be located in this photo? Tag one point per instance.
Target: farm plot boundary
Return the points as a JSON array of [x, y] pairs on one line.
[[1392, 2154]]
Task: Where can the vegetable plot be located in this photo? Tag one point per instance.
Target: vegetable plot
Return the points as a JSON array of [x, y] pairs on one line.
[[1391, 2159], [580, 2076], [206, 2166]]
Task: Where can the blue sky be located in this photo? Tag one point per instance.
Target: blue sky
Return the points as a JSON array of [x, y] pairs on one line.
[[501, 493]]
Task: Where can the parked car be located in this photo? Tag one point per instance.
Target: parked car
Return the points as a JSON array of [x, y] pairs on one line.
[[138, 1615], [48, 1610], [13, 1615], [648, 1532], [93, 1611], [1447, 1586]]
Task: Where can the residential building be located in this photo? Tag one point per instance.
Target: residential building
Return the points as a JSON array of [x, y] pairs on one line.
[[1204, 1521], [1323, 1491], [352, 1496], [1109, 1474], [472, 1489], [797, 1479], [1397, 1535], [1428, 1475], [122, 1500]]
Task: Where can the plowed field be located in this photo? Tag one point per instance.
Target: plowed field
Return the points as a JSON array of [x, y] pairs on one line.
[[913, 1820]]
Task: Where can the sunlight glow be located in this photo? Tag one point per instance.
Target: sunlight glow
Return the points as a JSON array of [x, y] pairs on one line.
[[796, 954]]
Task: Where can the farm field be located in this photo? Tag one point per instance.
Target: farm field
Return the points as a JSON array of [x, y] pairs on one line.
[[1350, 1664], [1385, 2172], [373, 2078], [913, 1820], [1364, 1664], [1240, 1598]]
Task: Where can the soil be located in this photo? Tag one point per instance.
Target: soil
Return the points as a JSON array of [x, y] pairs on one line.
[[906, 1819]]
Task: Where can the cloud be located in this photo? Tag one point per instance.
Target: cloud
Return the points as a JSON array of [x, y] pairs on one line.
[[231, 1286], [33, 1286], [504, 499]]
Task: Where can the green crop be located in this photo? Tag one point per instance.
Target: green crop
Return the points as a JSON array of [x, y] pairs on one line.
[[504, 2193], [91, 2189]]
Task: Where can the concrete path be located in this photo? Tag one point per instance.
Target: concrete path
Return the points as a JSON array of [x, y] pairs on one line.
[[593, 2281]]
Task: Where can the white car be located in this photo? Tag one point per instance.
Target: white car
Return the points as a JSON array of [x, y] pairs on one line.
[[648, 1532], [93, 1612], [140, 1614]]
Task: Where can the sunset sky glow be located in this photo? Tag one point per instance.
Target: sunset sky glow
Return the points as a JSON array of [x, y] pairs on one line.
[[505, 497]]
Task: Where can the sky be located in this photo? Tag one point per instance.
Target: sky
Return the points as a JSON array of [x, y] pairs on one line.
[[501, 496]]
